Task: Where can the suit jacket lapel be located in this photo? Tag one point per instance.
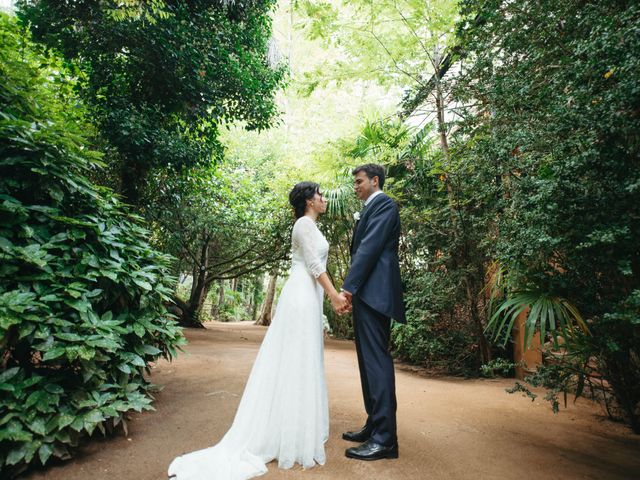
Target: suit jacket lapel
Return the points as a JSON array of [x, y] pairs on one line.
[[366, 209], [362, 217]]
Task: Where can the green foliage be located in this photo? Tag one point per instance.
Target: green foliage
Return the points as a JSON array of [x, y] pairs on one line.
[[497, 367], [546, 313], [220, 223], [439, 333], [616, 346], [549, 123], [436, 334], [441, 260], [241, 222], [563, 139], [519, 387], [389, 42], [82, 293], [540, 175], [337, 226], [234, 308], [162, 76], [604, 366]]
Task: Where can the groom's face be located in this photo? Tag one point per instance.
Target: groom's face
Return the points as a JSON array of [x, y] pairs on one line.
[[364, 186]]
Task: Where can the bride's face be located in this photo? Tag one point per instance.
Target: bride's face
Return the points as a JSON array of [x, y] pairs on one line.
[[318, 203]]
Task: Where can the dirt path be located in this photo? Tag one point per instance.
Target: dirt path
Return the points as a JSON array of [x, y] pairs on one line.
[[447, 428]]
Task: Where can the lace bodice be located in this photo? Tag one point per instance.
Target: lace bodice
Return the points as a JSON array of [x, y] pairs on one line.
[[309, 248]]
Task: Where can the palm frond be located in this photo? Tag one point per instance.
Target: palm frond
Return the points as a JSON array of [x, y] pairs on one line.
[[340, 198], [547, 314]]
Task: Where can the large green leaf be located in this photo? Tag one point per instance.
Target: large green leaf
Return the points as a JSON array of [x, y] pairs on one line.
[[45, 452], [544, 311]]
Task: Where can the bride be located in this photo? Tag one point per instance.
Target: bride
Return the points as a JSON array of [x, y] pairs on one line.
[[283, 412]]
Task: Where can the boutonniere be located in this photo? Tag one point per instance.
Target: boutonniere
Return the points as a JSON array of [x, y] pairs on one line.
[[356, 216]]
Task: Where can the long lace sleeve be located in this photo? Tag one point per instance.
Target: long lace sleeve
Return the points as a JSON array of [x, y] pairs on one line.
[[303, 236]]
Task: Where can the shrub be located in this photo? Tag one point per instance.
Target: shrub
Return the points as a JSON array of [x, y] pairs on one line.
[[437, 334], [553, 118], [82, 292]]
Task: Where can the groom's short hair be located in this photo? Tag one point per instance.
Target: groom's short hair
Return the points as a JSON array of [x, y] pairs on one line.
[[372, 170]]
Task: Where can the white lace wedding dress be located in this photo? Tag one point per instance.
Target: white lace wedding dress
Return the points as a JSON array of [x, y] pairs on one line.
[[283, 412]]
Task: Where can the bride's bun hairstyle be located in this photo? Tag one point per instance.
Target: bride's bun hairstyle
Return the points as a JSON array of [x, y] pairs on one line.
[[299, 195]]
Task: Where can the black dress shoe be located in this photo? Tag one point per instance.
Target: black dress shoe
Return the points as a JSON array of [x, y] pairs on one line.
[[359, 436], [372, 451]]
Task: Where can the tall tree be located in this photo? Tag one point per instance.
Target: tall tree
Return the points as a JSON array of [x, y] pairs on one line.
[[267, 307], [221, 224], [161, 76], [390, 42]]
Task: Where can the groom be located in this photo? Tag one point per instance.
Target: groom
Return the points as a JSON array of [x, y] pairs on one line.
[[374, 287]]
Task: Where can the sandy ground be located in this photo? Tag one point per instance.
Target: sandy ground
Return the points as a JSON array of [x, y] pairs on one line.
[[448, 428]]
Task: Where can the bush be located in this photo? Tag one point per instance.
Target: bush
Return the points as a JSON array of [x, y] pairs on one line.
[[437, 334], [552, 135], [498, 367], [82, 292], [616, 345], [234, 308]]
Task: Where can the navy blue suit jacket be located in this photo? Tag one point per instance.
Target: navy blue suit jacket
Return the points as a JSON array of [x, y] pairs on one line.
[[374, 275]]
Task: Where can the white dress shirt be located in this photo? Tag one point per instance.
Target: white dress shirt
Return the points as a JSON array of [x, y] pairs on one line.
[[368, 200]]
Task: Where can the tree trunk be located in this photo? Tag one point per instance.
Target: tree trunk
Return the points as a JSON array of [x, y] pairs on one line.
[[221, 295], [132, 176], [216, 307], [484, 350], [194, 277], [444, 144], [200, 285], [181, 310], [267, 306], [257, 286]]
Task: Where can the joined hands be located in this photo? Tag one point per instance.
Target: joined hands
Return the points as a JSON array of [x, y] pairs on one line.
[[341, 303]]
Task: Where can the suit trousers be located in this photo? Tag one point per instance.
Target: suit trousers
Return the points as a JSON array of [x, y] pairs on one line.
[[372, 332]]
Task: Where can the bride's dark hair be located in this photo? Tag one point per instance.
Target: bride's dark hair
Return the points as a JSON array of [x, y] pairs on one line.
[[299, 195]]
